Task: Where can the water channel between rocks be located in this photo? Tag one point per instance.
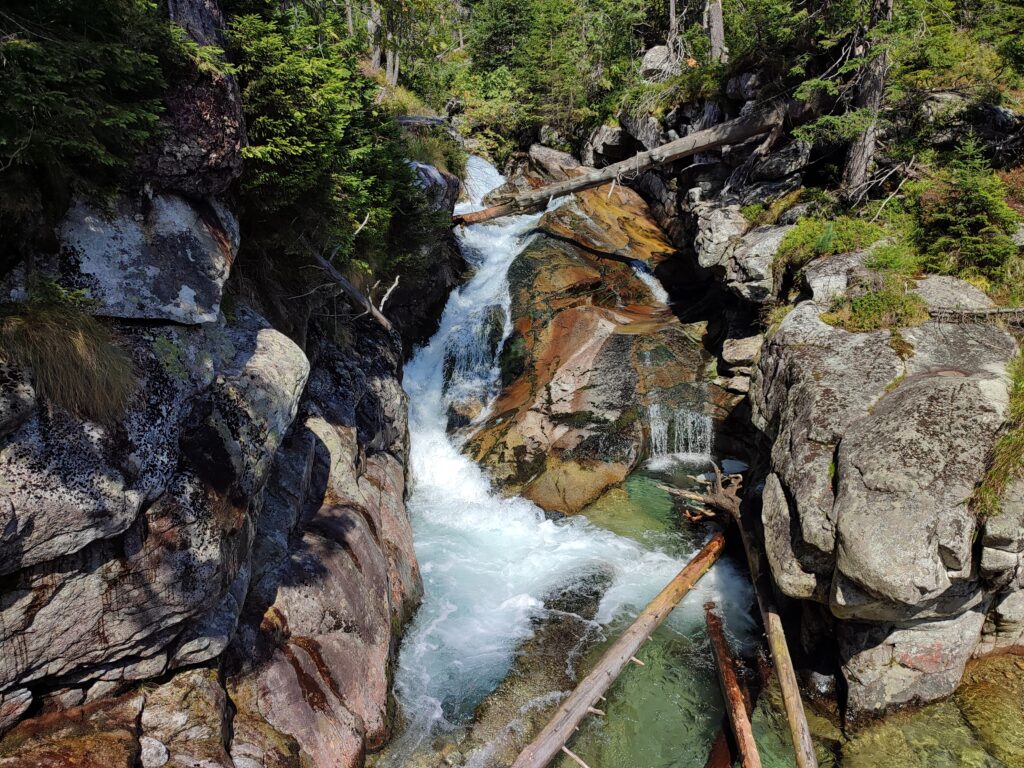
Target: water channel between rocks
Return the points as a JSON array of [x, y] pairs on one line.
[[510, 593]]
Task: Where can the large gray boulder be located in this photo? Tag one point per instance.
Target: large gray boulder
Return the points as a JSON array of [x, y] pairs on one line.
[[98, 592], [159, 258], [658, 64], [879, 440], [742, 256]]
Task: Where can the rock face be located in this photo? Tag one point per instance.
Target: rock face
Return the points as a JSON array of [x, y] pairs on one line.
[[879, 440], [239, 532], [591, 350], [418, 300], [199, 152]]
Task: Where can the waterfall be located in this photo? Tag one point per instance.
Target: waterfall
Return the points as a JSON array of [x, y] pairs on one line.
[[647, 278], [488, 561], [682, 434]]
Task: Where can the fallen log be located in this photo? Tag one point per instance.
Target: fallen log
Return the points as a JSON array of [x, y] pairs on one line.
[[353, 293], [732, 132], [560, 728], [732, 692], [1013, 315], [723, 496]]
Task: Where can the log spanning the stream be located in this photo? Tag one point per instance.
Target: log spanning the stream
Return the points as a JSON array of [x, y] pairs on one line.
[[732, 132], [583, 700]]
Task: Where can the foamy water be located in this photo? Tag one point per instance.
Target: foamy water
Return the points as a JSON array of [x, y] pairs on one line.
[[488, 562]]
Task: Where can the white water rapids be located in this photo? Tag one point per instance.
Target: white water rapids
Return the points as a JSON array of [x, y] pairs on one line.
[[488, 562]]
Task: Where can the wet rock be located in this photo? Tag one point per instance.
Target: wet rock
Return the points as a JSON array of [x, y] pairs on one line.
[[594, 348], [101, 735], [159, 258], [188, 717]]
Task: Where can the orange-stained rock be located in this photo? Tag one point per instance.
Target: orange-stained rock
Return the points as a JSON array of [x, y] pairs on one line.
[[591, 349]]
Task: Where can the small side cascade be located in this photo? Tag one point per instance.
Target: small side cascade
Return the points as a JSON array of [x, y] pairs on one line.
[[681, 434]]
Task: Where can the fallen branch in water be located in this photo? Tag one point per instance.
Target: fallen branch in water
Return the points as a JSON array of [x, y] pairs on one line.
[[583, 700]]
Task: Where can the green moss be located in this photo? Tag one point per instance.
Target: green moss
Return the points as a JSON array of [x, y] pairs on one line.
[[900, 345], [814, 237], [1007, 462], [168, 354], [774, 317]]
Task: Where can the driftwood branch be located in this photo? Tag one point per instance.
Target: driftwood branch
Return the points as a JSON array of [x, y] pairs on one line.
[[732, 132], [354, 294], [552, 740], [1013, 315]]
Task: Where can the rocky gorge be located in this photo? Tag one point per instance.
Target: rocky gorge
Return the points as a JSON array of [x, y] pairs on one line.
[[310, 540]]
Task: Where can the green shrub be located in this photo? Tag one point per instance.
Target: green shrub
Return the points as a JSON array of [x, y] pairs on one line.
[[438, 149], [814, 237], [896, 258], [81, 83], [888, 307], [325, 168], [1007, 462], [963, 222]]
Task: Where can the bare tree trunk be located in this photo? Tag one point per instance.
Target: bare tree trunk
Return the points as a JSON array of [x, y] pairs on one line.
[[349, 20], [374, 28], [673, 30], [870, 95], [716, 32], [393, 62]]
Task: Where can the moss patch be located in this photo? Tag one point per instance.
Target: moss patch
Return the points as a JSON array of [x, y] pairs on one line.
[[1007, 463]]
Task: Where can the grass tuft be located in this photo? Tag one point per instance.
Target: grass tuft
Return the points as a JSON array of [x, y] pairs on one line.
[[888, 307], [813, 238], [1007, 462], [75, 361]]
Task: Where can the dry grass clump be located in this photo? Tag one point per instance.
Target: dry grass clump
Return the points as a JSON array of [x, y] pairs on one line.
[[1007, 463], [75, 361]]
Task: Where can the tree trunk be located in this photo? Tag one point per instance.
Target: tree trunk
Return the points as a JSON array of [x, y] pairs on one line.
[[732, 690], [870, 95], [374, 30], [349, 20], [732, 132], [673, 30], [583, 700], [716, 32]]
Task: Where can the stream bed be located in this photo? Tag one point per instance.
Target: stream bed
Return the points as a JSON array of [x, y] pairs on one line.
[[500, 577]]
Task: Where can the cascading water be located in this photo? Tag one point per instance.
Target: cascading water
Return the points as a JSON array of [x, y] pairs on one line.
[[489, 562], [682, 434]]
